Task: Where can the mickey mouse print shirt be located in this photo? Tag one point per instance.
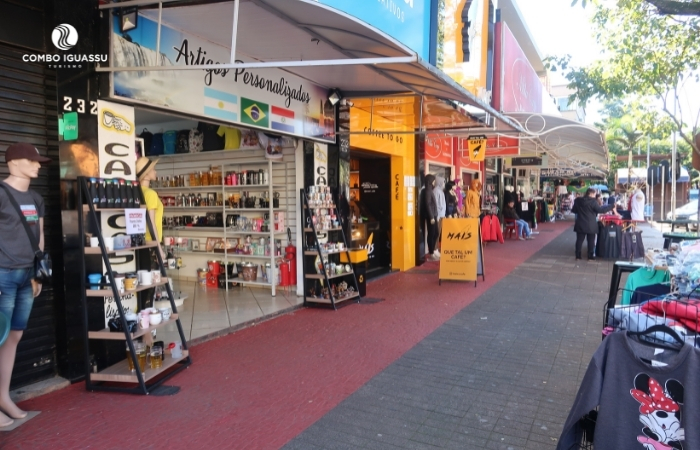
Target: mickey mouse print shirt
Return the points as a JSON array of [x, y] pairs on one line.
[[15, 249], [645, 401]]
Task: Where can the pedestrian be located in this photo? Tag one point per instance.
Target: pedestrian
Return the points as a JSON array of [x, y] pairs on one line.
[[522, 226], [428, 212], [613, 198], [439, 193], [17, 285], [586, 209]]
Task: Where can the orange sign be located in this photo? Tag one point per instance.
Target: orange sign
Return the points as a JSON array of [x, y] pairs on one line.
[[438, 149], [459, 249], [495, 146]]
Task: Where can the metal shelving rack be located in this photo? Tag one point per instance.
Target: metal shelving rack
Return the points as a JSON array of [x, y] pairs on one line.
[[120, 372], [226, 189], [324, 276]]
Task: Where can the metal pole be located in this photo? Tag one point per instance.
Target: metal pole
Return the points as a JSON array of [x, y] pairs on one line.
[[235, 31], [663, 193], [160, 23], [652, 196], [673, 164], [648, 181]]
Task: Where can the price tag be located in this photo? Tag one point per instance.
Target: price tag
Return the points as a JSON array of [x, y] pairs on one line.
[[135, 221]]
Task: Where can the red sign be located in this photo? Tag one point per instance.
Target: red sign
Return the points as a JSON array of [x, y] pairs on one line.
[[496, 146], [438, 149], [516, 87]]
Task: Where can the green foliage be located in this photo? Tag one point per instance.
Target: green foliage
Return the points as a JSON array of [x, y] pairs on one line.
[[645, 56]]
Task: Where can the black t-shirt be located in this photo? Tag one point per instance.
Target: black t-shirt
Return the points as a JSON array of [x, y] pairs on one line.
[[15, 249], [212, 141]]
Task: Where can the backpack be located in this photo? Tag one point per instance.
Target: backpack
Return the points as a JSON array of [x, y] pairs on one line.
[[196, 139], [147, 137], [183, 141], [156, 144], [169, 139]]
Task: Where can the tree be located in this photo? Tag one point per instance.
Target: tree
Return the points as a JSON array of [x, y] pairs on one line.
[[645, 55], [667, 7]]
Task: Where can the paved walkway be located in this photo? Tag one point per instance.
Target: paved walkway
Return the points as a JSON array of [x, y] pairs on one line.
[[494, 366]]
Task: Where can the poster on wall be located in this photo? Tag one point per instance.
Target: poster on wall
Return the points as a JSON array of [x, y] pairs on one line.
[[116, 137], [267, 99]]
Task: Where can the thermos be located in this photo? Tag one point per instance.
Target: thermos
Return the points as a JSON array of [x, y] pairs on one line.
[[94, 197], [102, 192], [137, 194]]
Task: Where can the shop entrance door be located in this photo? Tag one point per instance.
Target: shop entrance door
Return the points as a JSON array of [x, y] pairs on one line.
[[371, 201]]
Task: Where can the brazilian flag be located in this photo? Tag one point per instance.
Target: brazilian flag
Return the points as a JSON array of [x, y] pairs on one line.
[[255, 113]]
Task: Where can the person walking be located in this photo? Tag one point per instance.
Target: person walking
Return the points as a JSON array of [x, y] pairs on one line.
[[18, 289], [586, 209], [428, 212]]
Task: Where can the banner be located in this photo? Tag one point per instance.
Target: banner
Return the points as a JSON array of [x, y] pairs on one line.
[[459, 249], [268, 99], [477, 148], [116, 137]]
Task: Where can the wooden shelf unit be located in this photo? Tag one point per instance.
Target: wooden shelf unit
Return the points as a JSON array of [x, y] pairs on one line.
[[121, 373], [120, 336], [109, 293], [98, 250]]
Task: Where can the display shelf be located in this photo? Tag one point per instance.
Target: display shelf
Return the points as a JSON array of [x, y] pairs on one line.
[[191, 208], [323, 277], [97, 209], [252, 186], [309, 230], [109, 293], [98, 250], [252, 209], [328, 301], [198, 228], [187, 188], [120, 336], [120, 371], [256, 233]]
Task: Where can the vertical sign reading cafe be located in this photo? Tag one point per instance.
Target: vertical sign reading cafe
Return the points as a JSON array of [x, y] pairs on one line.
[[267, 99]]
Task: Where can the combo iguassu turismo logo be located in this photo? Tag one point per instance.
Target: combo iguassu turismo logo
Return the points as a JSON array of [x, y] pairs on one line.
[[64, 38]]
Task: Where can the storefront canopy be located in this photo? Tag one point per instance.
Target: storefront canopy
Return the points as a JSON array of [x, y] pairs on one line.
[[640, 174], [313, 41], [569, 144]]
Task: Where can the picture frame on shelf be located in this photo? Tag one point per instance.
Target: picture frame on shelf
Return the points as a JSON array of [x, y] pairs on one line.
[[214, 244], [194, 245], [231, 243]]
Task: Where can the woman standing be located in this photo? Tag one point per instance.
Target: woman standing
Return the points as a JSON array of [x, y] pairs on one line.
[[17, 285], [586, 209]]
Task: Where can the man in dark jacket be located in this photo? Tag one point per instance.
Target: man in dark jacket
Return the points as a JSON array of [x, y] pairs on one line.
[[586, 209], [429, 215]]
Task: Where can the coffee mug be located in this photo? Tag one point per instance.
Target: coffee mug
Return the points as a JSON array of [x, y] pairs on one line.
[[145, 277], [156, 276], [131, 283], [119, 280], [94, 242], [176, 349], [168, 241], [109, 243], [165, 312], [144, 320]]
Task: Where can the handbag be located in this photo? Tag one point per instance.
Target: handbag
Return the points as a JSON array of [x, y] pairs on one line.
[[42, 261]]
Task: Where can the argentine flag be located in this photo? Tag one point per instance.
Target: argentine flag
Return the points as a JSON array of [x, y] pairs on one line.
[[220, 104]]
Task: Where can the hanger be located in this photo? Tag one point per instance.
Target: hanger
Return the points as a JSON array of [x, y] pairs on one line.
[[659, 329]]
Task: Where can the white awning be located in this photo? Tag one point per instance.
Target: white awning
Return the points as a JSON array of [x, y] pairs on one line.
[[569, 144], [319, 43], [640, 174]]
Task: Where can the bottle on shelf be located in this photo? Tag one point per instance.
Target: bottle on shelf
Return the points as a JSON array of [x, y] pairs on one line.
[[129, 194], [109, 192], [137, 194], [93, 191], [102, 192], [118, 193]]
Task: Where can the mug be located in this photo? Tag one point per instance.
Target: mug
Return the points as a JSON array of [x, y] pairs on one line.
[[175, 349], [94, 242], [145, 277], [131, 283], [144, 320], [168, 241], [156, 276], [166, 313], [155, 318], [109, 243], [119, 280]]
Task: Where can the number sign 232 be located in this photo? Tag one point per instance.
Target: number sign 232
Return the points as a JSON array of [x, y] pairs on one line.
[[79, 105]]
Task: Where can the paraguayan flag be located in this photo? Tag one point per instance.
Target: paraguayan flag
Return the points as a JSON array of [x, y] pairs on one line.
[[220, 104]]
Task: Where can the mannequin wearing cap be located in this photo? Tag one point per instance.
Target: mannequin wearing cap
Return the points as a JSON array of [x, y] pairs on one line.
[[146, 172], [17, 288]]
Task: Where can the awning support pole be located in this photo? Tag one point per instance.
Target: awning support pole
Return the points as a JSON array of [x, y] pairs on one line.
[[234, 33], [160, 23]]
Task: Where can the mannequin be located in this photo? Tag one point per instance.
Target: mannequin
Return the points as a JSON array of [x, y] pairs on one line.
[[460, 198], [428, 212], [17, 286], [451, 200], [146, 172], [474, 199], [637, 200]]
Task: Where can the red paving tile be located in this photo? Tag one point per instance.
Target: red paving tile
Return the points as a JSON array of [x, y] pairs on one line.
[[260, 387]]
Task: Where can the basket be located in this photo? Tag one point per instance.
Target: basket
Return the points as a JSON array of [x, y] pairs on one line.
[[250, 272]]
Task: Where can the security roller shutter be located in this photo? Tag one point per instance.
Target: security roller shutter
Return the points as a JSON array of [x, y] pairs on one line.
[[28, 114]]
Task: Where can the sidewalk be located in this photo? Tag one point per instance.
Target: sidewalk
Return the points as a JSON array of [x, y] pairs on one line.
[[512, 351]]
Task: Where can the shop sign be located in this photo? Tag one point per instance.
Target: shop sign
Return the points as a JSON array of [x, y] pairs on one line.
[[526, 161], [465, 46], [491, 164], [407, 21], [459, 249], [267, 99], [438, 149], [380, 133], [476, 146], [516, 87], [495, 146], [116, 137], [320, 164], [555, 172]]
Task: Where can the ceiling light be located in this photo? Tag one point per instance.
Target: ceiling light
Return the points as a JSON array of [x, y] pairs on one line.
[[334, 96]]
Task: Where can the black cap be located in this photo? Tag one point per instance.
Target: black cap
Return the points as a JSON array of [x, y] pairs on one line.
[[22, 150]]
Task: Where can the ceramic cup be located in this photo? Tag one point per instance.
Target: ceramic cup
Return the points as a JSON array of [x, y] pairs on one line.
[[119, 279], [94, 242], [145, 277], [166, 313], [131, 283], [168, 241], [176, 350], [144, 320], [155, 318], [109, 243], [130, 316], [156, 276], [95, 279]]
